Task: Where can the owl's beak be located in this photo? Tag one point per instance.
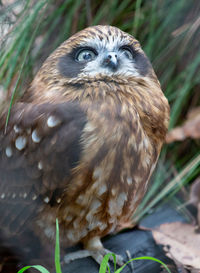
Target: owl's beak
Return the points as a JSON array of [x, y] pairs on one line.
[[111, 61]]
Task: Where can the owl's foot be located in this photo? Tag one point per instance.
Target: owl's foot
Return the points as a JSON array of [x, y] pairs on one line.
[[97, 255], [94, 249], [76, 255]]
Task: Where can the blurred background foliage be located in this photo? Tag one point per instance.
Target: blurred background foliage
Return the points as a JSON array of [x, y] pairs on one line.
[[169, 32]]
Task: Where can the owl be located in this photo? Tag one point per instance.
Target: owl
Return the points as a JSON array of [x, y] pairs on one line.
[[81, 144]]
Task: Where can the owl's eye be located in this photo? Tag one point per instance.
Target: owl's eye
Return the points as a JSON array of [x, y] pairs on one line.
[[86, 55], [127, 52]]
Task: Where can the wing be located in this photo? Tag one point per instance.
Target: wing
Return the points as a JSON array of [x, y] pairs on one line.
[[37, 153]]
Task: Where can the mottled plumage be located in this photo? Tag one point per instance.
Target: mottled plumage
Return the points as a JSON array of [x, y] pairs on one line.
[[84, 140]]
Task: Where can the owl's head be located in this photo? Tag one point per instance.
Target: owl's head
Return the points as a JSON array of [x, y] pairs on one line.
[[96, 53]]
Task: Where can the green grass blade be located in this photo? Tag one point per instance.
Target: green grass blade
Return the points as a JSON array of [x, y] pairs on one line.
[[38, 267], [57, 250], [104, 264], [23, 64], [144, 258]]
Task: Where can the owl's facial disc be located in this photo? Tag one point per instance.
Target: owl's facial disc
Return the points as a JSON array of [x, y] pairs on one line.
[[110, 60], [109, 56]]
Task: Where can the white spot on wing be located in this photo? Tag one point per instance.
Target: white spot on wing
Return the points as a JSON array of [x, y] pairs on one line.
[[58, 200], [52, 121], [2, 195], [20, 143], [24, 195], [40, 165], [34, 197], [17, 129], [46, 199], [9, 152], [35, 137]]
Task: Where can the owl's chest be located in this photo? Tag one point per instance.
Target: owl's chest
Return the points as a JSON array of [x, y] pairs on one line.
[[110, 180], [107, 185]]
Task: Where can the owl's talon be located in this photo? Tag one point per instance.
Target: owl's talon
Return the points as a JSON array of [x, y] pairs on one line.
[[98, 256]]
